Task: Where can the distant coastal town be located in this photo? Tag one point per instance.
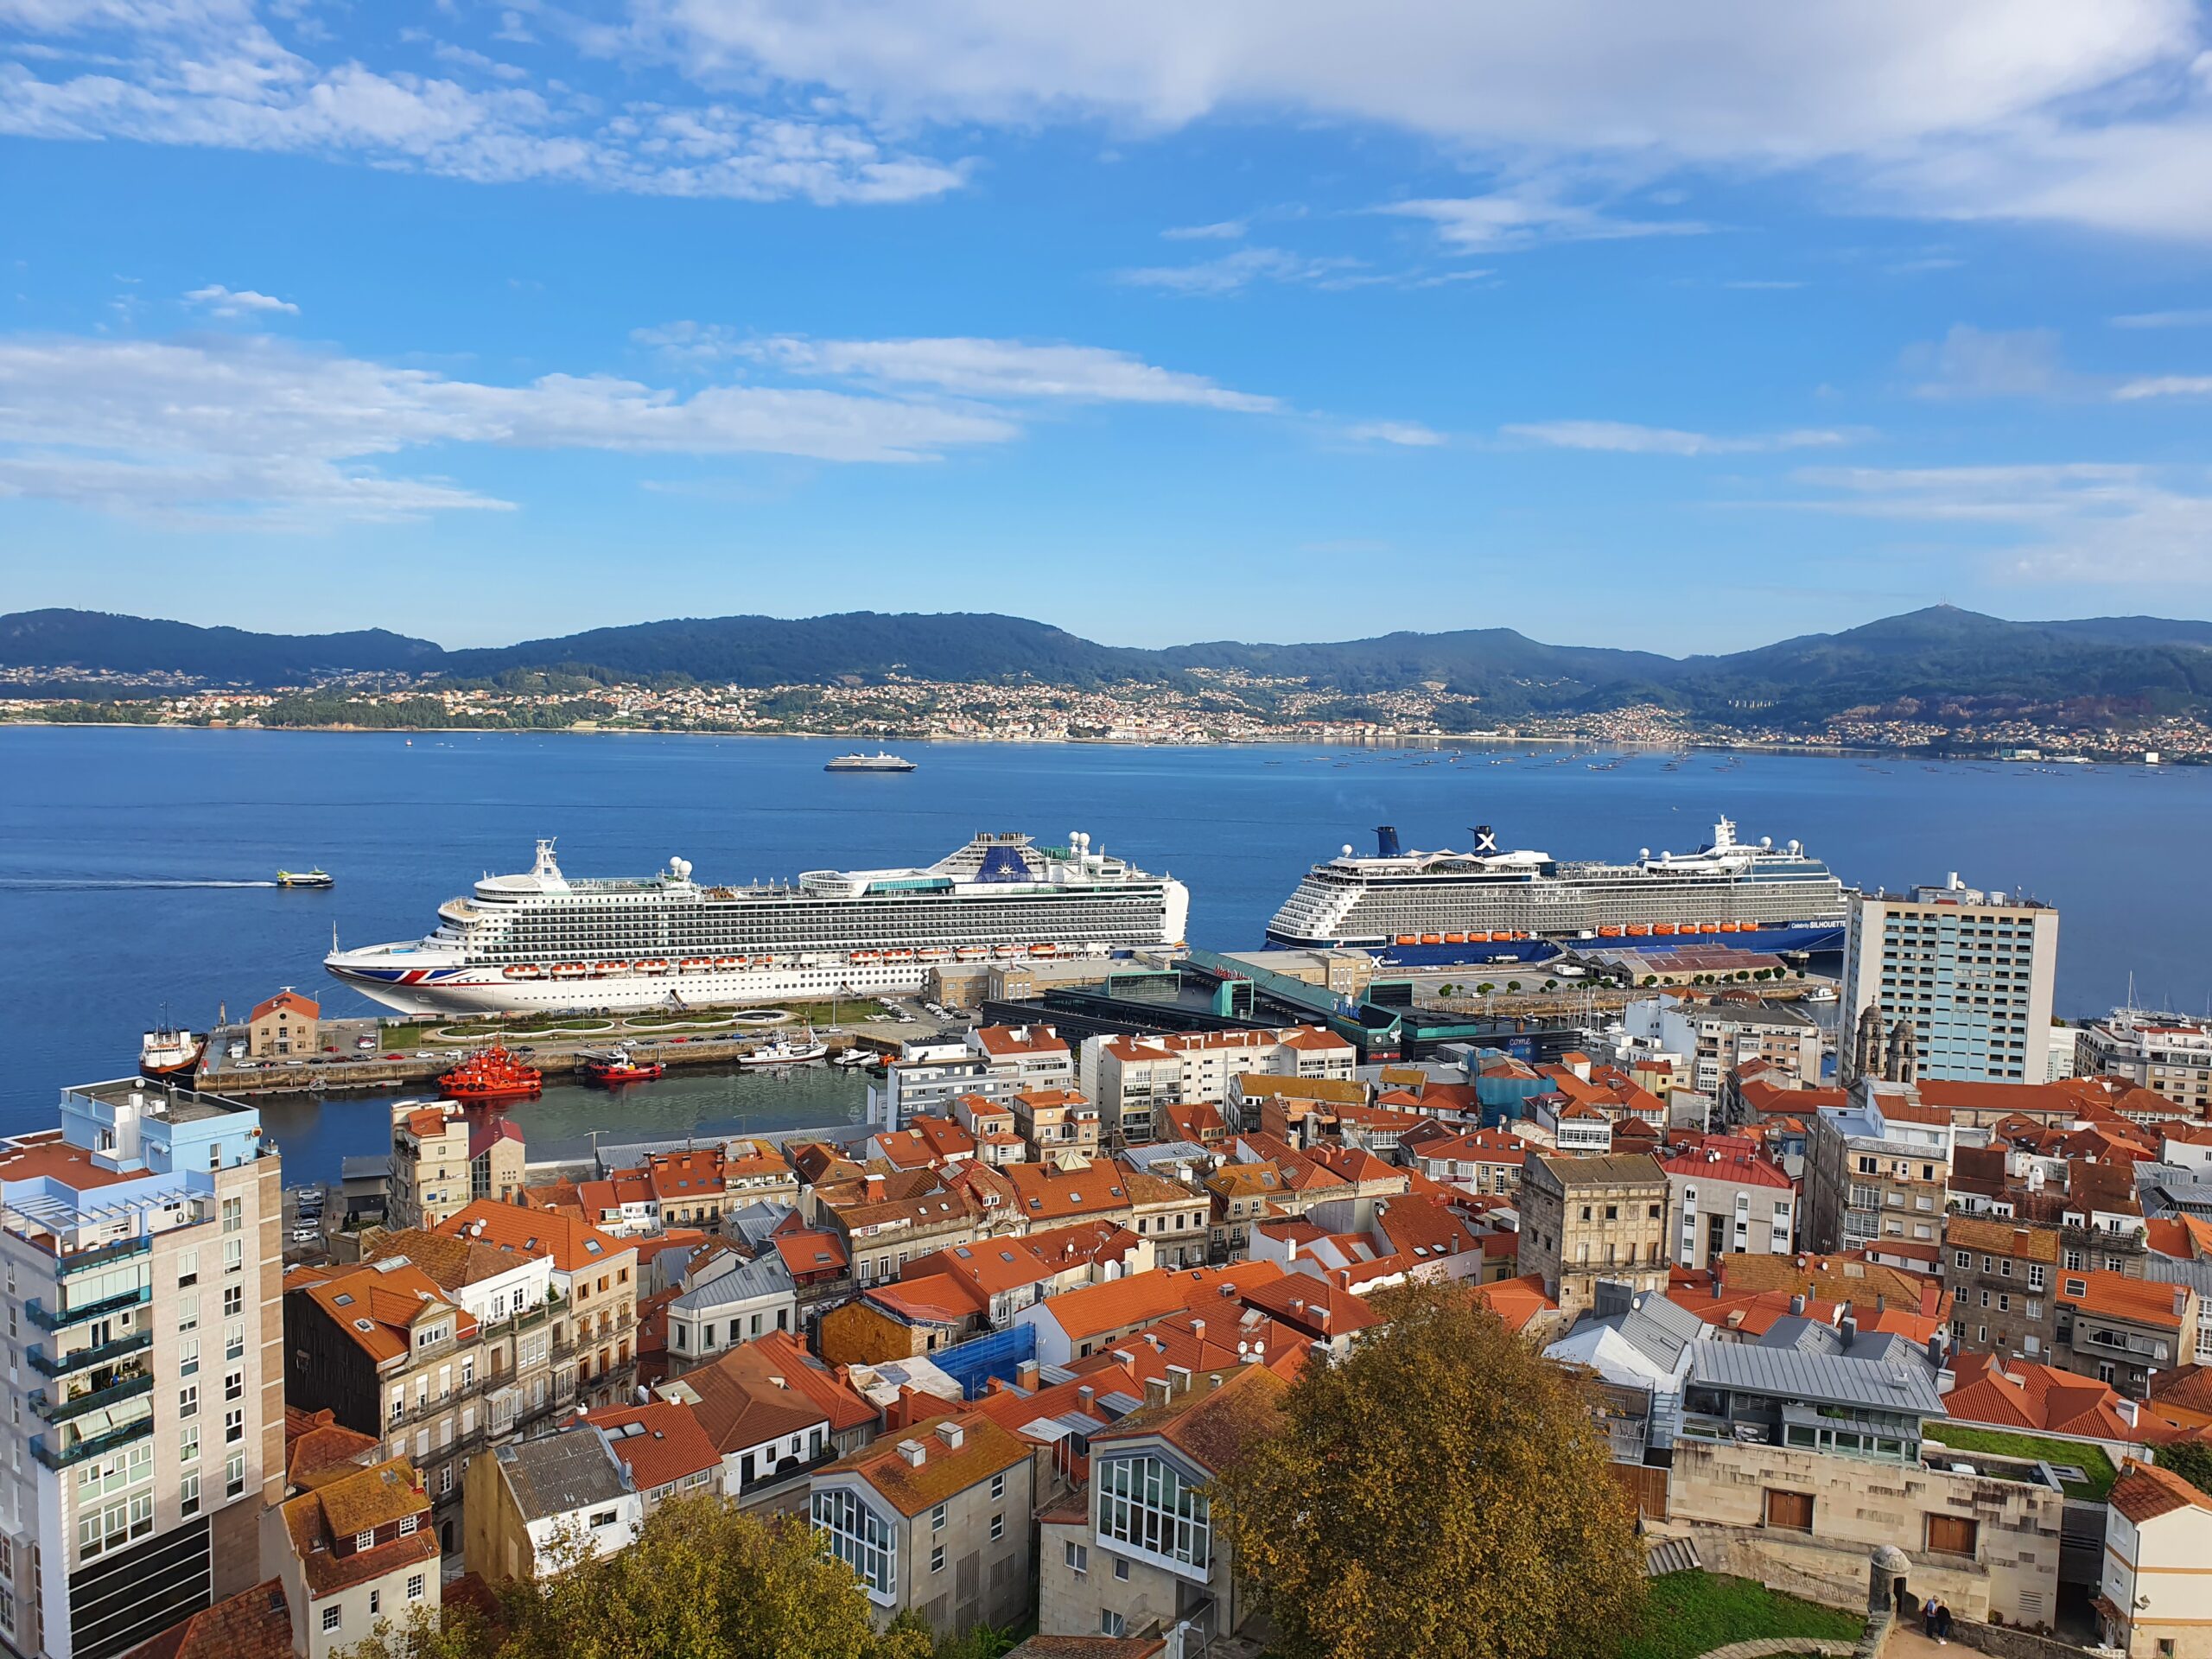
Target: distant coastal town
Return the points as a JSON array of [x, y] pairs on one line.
[[1217, 706]]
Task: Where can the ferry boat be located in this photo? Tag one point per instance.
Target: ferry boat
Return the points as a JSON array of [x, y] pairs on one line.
[[617, 1067], [492, 1074], [881, 760], [542, 941], [169, 1052], [1416, 908], [316, 878]]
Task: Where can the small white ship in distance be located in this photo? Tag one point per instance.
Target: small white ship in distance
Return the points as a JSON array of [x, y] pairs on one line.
[[881, 760], [784, 1051]]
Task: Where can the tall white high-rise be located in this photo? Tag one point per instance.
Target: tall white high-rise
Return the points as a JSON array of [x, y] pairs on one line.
[[1970, 972], [144, 1335]]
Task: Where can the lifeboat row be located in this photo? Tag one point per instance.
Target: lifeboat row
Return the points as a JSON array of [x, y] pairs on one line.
[[1499, 938], [655, 966]]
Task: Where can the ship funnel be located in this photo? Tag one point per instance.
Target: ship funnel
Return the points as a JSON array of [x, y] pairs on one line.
[[1386, 840], [1485, 838]]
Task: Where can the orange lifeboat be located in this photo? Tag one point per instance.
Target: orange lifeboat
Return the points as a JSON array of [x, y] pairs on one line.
[[1408, 938], [1639, 930], [898, 956], [609, 969], [1432, 938], [868, 956], [1455, 938], [652, 964], [569, 971], [1044, 949], [1610, 930], [1729, 927], [723, 965], [694, 965], [523, 970], [1708, 927], [1662, 930]]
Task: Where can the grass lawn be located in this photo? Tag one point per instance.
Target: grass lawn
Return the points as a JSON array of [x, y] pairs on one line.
[[1690, 1613], [2089, 1460]]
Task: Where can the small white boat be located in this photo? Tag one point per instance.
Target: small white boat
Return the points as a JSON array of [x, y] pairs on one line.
[[785, 1052]]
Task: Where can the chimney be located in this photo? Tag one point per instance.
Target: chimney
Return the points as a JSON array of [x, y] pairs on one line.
[[1848, 1327], [1025, 1376], [1198, 1329], [1798, 1306], [1155, 1391], [1084, 1394], [914, 1453], [874, 1189], [1936, 1346], [952, 1434], [1178, 1379]]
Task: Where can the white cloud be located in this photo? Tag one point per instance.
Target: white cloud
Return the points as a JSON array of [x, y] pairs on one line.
[[2094, 521], [212, 77], [1411, 435], [1240, 270], [2166, 385], [227, 302], [1970, 362], [254, 426], [1524, 217], [2165, 320], [1226, 230], [1005, 369], [1627, 438]]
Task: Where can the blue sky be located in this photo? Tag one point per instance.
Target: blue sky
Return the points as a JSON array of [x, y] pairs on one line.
[[1686, 327]]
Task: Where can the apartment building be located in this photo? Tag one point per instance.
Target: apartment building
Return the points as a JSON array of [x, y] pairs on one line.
[[2001, 1275], [1485, 1162], [1584, 1219], [1054, 1122], [994, 1062], [2157, 1599], [592, 1282], [1877, 1168], [1713, 1037], [379, 1345], [535, 1505], [731, 1300], [1724, 1198], [1136, 1553], [936, 1523], [2121, 1331], [1971, 972], [2169, 1054], [444, 1157], [1134, 1079], [140, 1241], [351, 1553]]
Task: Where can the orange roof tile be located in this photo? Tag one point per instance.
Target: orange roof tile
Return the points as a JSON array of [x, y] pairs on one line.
[[2144, 1492], [985, 1449], [574, 1245], [658, 1444]]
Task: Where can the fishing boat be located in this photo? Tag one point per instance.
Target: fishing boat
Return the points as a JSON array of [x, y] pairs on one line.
[[169, 1052], [492, 1074], [784, 1051], [314, 878], [853, 1059], [615, 1066]]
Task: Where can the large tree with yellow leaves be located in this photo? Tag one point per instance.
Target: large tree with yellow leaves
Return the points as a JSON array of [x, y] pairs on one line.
[[1444, 1491]]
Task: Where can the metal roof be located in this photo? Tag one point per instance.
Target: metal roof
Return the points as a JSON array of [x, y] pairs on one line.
[[1897, 1383]]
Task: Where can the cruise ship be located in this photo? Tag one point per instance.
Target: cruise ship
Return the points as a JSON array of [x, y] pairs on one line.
[[543, 942], [1418, 909]]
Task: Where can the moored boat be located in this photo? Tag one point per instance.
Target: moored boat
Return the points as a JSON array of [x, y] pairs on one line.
[[169, 1052], [784, 1051], [616, 1066], [492, 1074]]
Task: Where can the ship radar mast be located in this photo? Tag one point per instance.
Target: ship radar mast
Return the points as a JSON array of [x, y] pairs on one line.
[[1724, 834], [545, 866]]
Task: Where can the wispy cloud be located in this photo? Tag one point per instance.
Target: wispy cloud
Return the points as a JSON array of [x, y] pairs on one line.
[[1504, 221], [1233, 272], [1970, 362], [2165, 385], [1762, 284], [1005, 369], [2165, 320], [1410, 434], [1627, 438], [2095, 522], [1226, 230], [239, 302]]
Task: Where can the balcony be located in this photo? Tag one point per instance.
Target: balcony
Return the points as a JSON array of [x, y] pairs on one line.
[[78, 1261], [78, 1358], [63, 1456], [46, 1320], [114, 1394]]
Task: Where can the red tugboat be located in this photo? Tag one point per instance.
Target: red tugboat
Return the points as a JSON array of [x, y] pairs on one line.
[[616, 1067], [492, 1074]]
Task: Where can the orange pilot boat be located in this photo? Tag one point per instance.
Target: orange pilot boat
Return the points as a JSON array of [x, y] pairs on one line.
[[492, 1074]]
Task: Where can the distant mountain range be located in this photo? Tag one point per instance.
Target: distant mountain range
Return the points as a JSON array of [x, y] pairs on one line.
[[1934, 658]]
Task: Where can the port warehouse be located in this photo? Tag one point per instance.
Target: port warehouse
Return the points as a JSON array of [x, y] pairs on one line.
[[1204, 990]]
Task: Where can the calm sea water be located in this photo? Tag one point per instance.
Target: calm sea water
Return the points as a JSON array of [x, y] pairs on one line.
[[116, 848]]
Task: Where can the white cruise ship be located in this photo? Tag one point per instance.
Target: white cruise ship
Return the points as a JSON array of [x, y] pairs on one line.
[[542, 941], [1418, 908]]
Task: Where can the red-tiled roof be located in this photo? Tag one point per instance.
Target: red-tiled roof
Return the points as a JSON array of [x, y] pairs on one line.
[[2145, 1492], [574, 1245], [292, 1001], [255, 1624], [2016, 1393], [658, 1443]]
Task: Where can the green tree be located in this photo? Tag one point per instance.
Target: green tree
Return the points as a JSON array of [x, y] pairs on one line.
[[1444, 1491], [1513, 986], [701, 1581], [1485, 988], [2191, 1460]]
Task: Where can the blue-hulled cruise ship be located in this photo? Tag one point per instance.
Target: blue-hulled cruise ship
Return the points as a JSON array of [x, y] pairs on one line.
[[1417, 908]]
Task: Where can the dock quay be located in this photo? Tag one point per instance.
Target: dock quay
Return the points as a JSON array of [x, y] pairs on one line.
[[399, 1055]]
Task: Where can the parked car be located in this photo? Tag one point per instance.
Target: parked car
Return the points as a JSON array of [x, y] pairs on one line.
[[305, 1234]]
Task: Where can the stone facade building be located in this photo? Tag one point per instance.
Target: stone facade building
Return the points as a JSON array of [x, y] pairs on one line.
[[1584, 1219]]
